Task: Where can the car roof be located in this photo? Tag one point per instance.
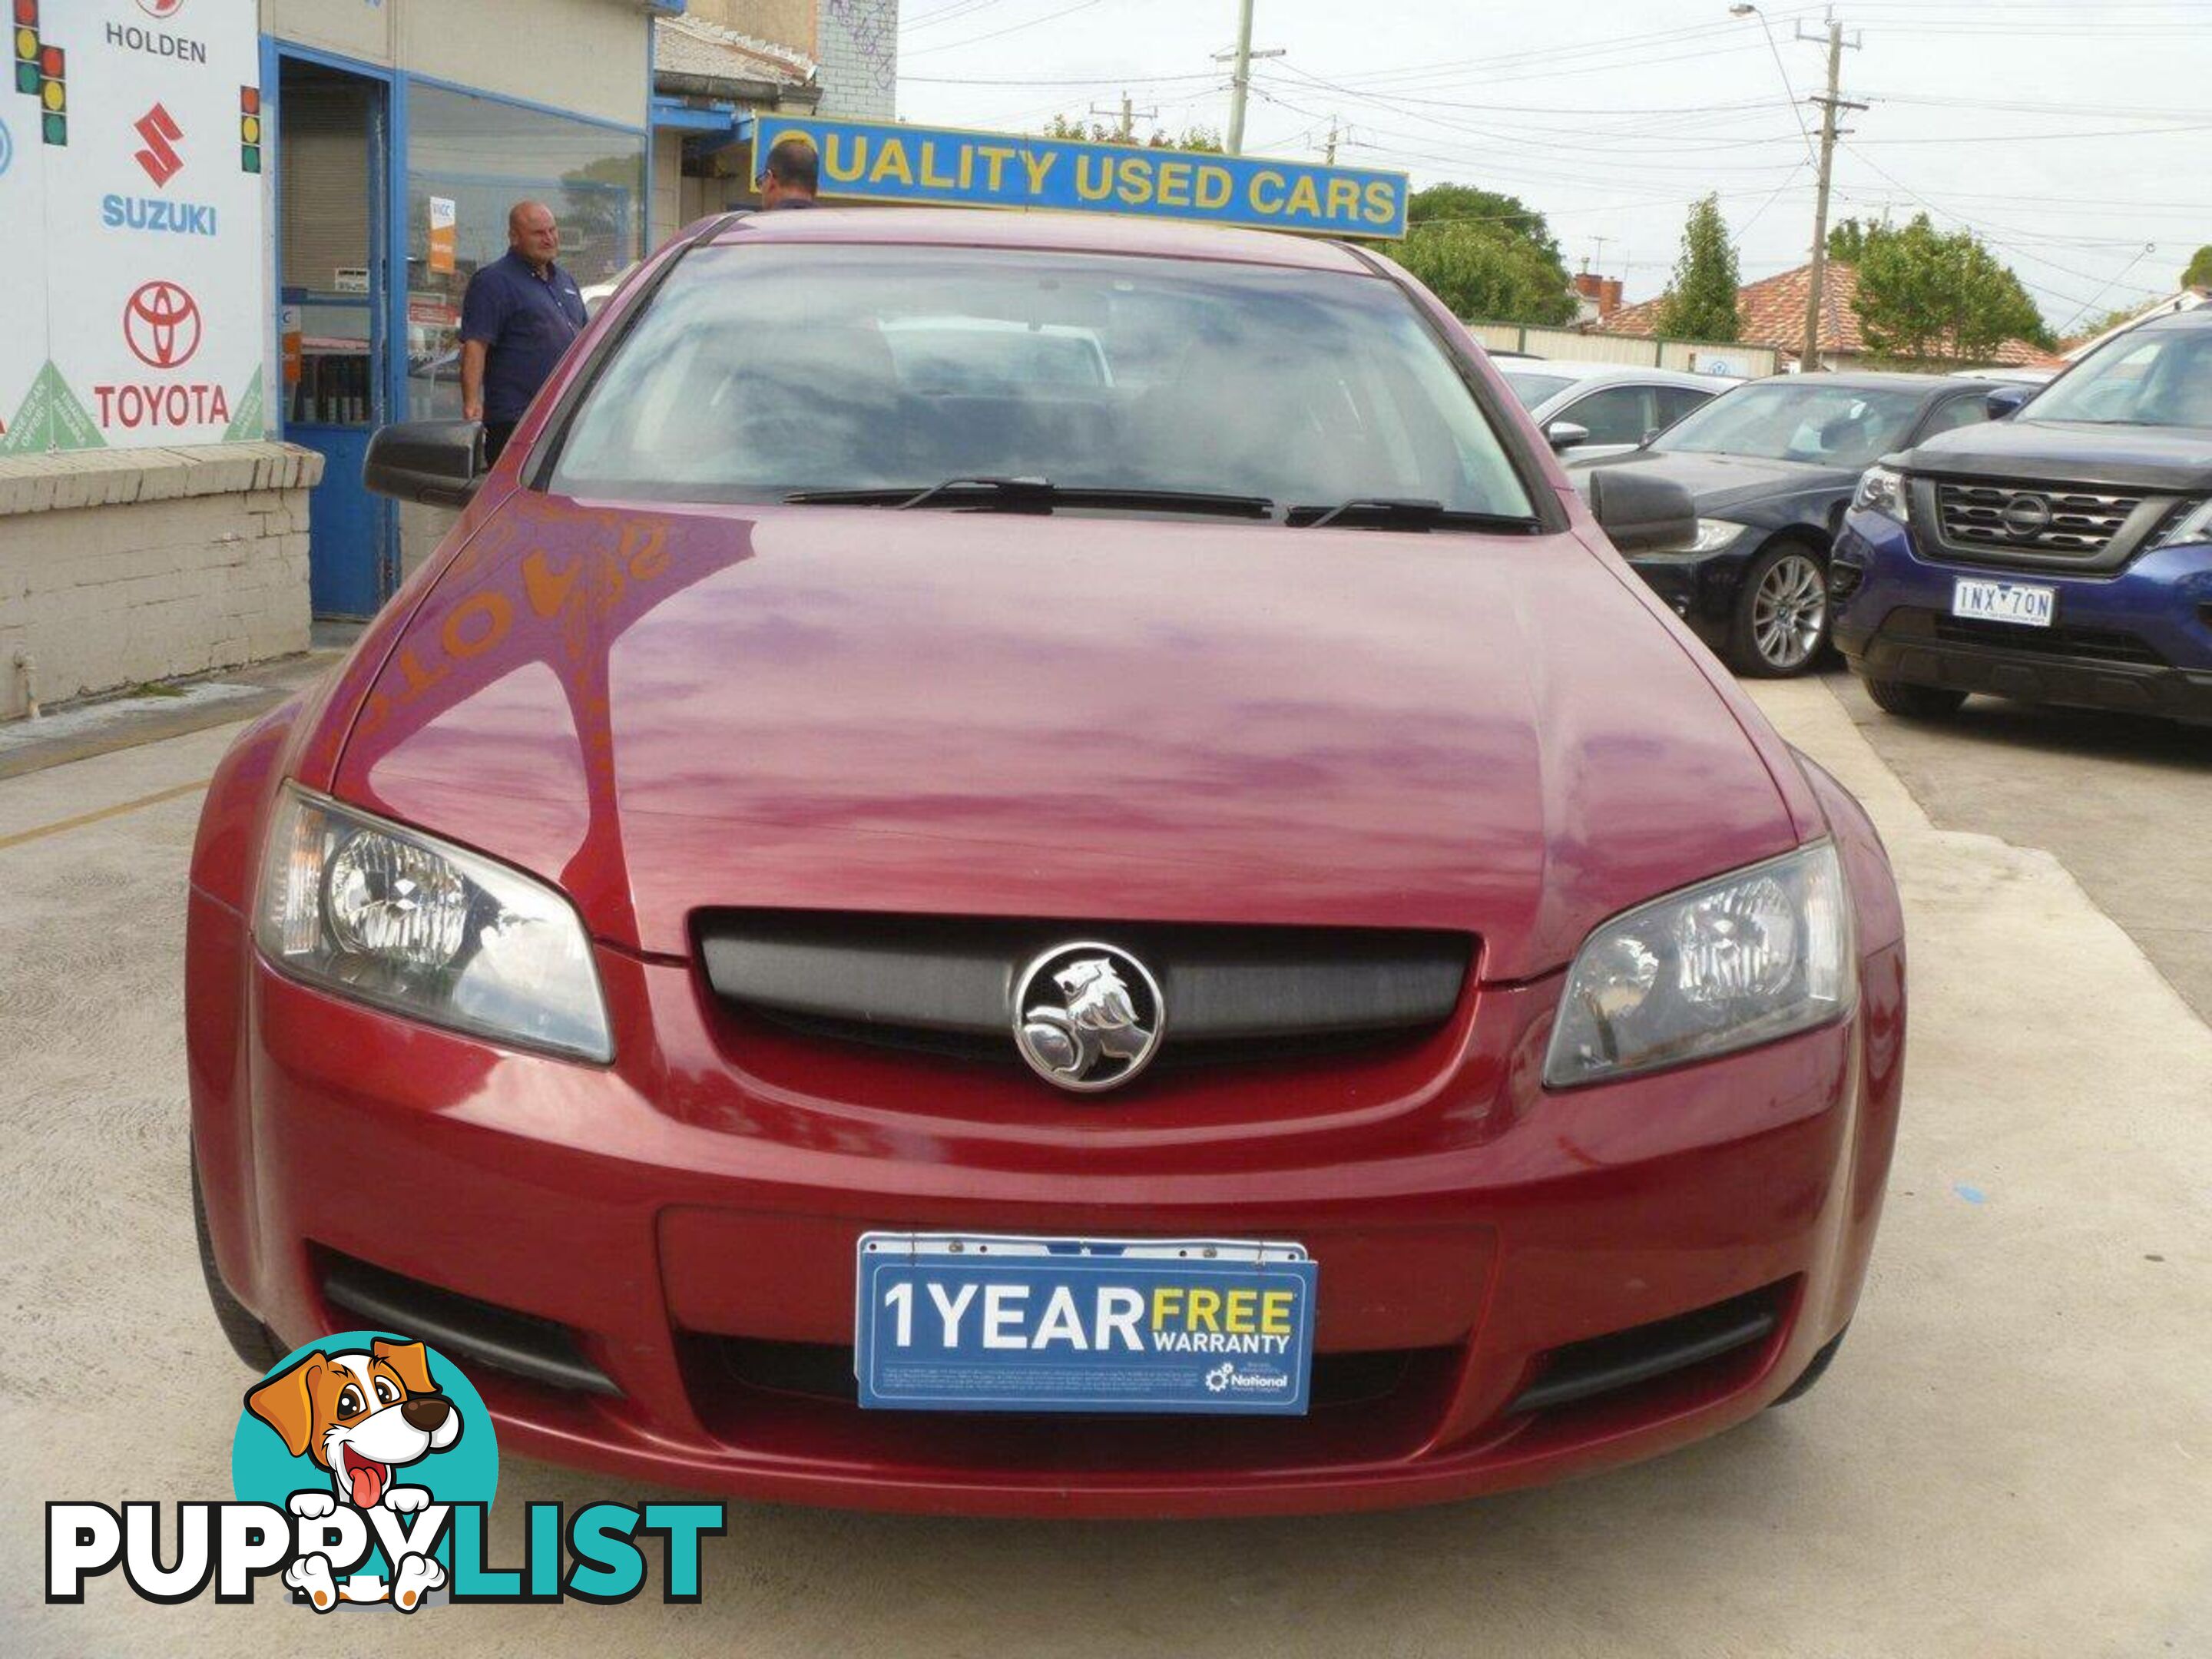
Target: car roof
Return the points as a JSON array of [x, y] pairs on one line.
[[1062, 232], [1580, 371], [2196, 317], [1869, 381]]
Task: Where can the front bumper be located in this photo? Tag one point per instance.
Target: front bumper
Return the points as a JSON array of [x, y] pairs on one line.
[[1701, 588], [691, 1229], [2138, 640]]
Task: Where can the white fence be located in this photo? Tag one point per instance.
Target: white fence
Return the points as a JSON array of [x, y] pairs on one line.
[[1570, 346]]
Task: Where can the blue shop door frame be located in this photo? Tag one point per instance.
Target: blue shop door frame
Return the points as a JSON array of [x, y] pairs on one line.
[[333, 321]]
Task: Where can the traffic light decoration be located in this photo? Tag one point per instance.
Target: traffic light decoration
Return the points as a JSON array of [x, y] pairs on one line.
[[26, 35], [41, 72], [249, 128]]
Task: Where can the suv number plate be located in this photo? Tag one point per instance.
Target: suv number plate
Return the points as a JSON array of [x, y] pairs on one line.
[[2006, 602]]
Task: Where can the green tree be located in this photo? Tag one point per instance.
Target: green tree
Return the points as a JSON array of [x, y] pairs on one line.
[[1485, 255], [2102, 323], [1471, 203], [1847, 241], [1203, 139], [1700, 303], [1926, 297], [2199, 273]]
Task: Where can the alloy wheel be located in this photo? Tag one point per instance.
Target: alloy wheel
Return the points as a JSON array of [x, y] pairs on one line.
[[1790, 611]]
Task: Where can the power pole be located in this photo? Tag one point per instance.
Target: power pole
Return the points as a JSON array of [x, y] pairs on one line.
[[1128, 117], [1240, 77], [1240, 82], [1331, 149], [1811, 359]]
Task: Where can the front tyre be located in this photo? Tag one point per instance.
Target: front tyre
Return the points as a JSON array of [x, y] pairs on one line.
[[1781, 619], [1913, 702]]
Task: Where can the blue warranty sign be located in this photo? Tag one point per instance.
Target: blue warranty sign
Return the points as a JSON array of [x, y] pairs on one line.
[[984, 1323]]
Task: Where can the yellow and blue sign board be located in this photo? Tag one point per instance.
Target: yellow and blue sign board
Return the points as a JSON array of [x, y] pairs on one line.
[[882, 162]]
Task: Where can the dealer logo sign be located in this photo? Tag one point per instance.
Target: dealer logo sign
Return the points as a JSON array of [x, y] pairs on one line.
[[156, 43], [161, 325], [162, 161], [160, 131]]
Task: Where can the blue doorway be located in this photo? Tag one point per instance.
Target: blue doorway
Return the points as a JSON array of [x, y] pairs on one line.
[[333, 153]]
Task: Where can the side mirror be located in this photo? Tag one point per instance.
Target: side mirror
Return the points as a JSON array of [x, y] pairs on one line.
[[2006, 399], [1566, 434], [1640, 512], [437, 463]]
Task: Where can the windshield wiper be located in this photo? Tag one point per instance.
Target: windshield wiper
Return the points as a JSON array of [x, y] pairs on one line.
[[993, 494], [1399, 513]]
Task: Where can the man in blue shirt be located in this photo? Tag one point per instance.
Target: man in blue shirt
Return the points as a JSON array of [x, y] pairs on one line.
[[791, 175], [520, 312]]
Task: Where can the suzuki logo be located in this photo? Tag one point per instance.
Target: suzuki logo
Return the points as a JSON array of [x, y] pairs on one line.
[[161, 325], [160, 158]]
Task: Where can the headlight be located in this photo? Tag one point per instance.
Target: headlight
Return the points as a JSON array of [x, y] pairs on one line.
[[2194, 524], [1714, 533], [1881, 490], [1740, 960], [389, 915]]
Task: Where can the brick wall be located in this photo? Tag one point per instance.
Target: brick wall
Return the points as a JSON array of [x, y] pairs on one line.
[[858, 52], [122, 567]]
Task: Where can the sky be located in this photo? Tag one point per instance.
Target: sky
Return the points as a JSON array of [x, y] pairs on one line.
[[2074, 136]]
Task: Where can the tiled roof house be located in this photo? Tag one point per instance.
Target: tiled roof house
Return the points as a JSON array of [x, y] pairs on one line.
[[1772, 312]]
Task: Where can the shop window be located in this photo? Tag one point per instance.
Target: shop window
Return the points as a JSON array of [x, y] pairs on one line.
[[469, 159]]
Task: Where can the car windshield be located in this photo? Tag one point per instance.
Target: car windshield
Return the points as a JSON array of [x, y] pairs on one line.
[[2158, 377], [1533, 389], [756, 373], [1798, 421]]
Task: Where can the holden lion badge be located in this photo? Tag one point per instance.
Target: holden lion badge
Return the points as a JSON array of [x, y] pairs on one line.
[[1088, 1018]]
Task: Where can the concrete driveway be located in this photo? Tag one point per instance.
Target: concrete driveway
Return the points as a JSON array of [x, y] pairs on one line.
[[2123, 803], [2012, 1456]]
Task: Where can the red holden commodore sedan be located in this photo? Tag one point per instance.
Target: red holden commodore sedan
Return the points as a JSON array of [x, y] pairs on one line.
[[1035, 865]]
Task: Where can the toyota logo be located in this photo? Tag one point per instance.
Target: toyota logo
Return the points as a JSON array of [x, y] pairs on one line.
[[2025, 517], [161, 325]]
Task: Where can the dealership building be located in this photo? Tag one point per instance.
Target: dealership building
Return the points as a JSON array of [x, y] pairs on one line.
[[250, 224]]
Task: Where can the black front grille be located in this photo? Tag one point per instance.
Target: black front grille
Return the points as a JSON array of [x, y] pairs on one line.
[[946, 985], [824, 1370], [2031, 519], [2090, 644]]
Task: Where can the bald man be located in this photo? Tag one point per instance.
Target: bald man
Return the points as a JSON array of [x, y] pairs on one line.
[[522, 312]]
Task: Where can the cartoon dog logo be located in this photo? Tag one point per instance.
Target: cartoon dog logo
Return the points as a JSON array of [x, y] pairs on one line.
[[360, 1415]]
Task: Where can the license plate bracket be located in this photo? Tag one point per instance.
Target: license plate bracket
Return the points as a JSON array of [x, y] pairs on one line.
[[986, 1323], [2029, 604]]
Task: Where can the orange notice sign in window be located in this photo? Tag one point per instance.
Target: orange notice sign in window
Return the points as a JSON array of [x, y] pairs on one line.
[[442, 234]]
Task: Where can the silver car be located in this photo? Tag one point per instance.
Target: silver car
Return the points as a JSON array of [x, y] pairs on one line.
[[1589, 410]]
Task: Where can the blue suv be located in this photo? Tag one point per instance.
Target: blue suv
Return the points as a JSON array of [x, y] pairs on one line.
[[2063, 555]]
